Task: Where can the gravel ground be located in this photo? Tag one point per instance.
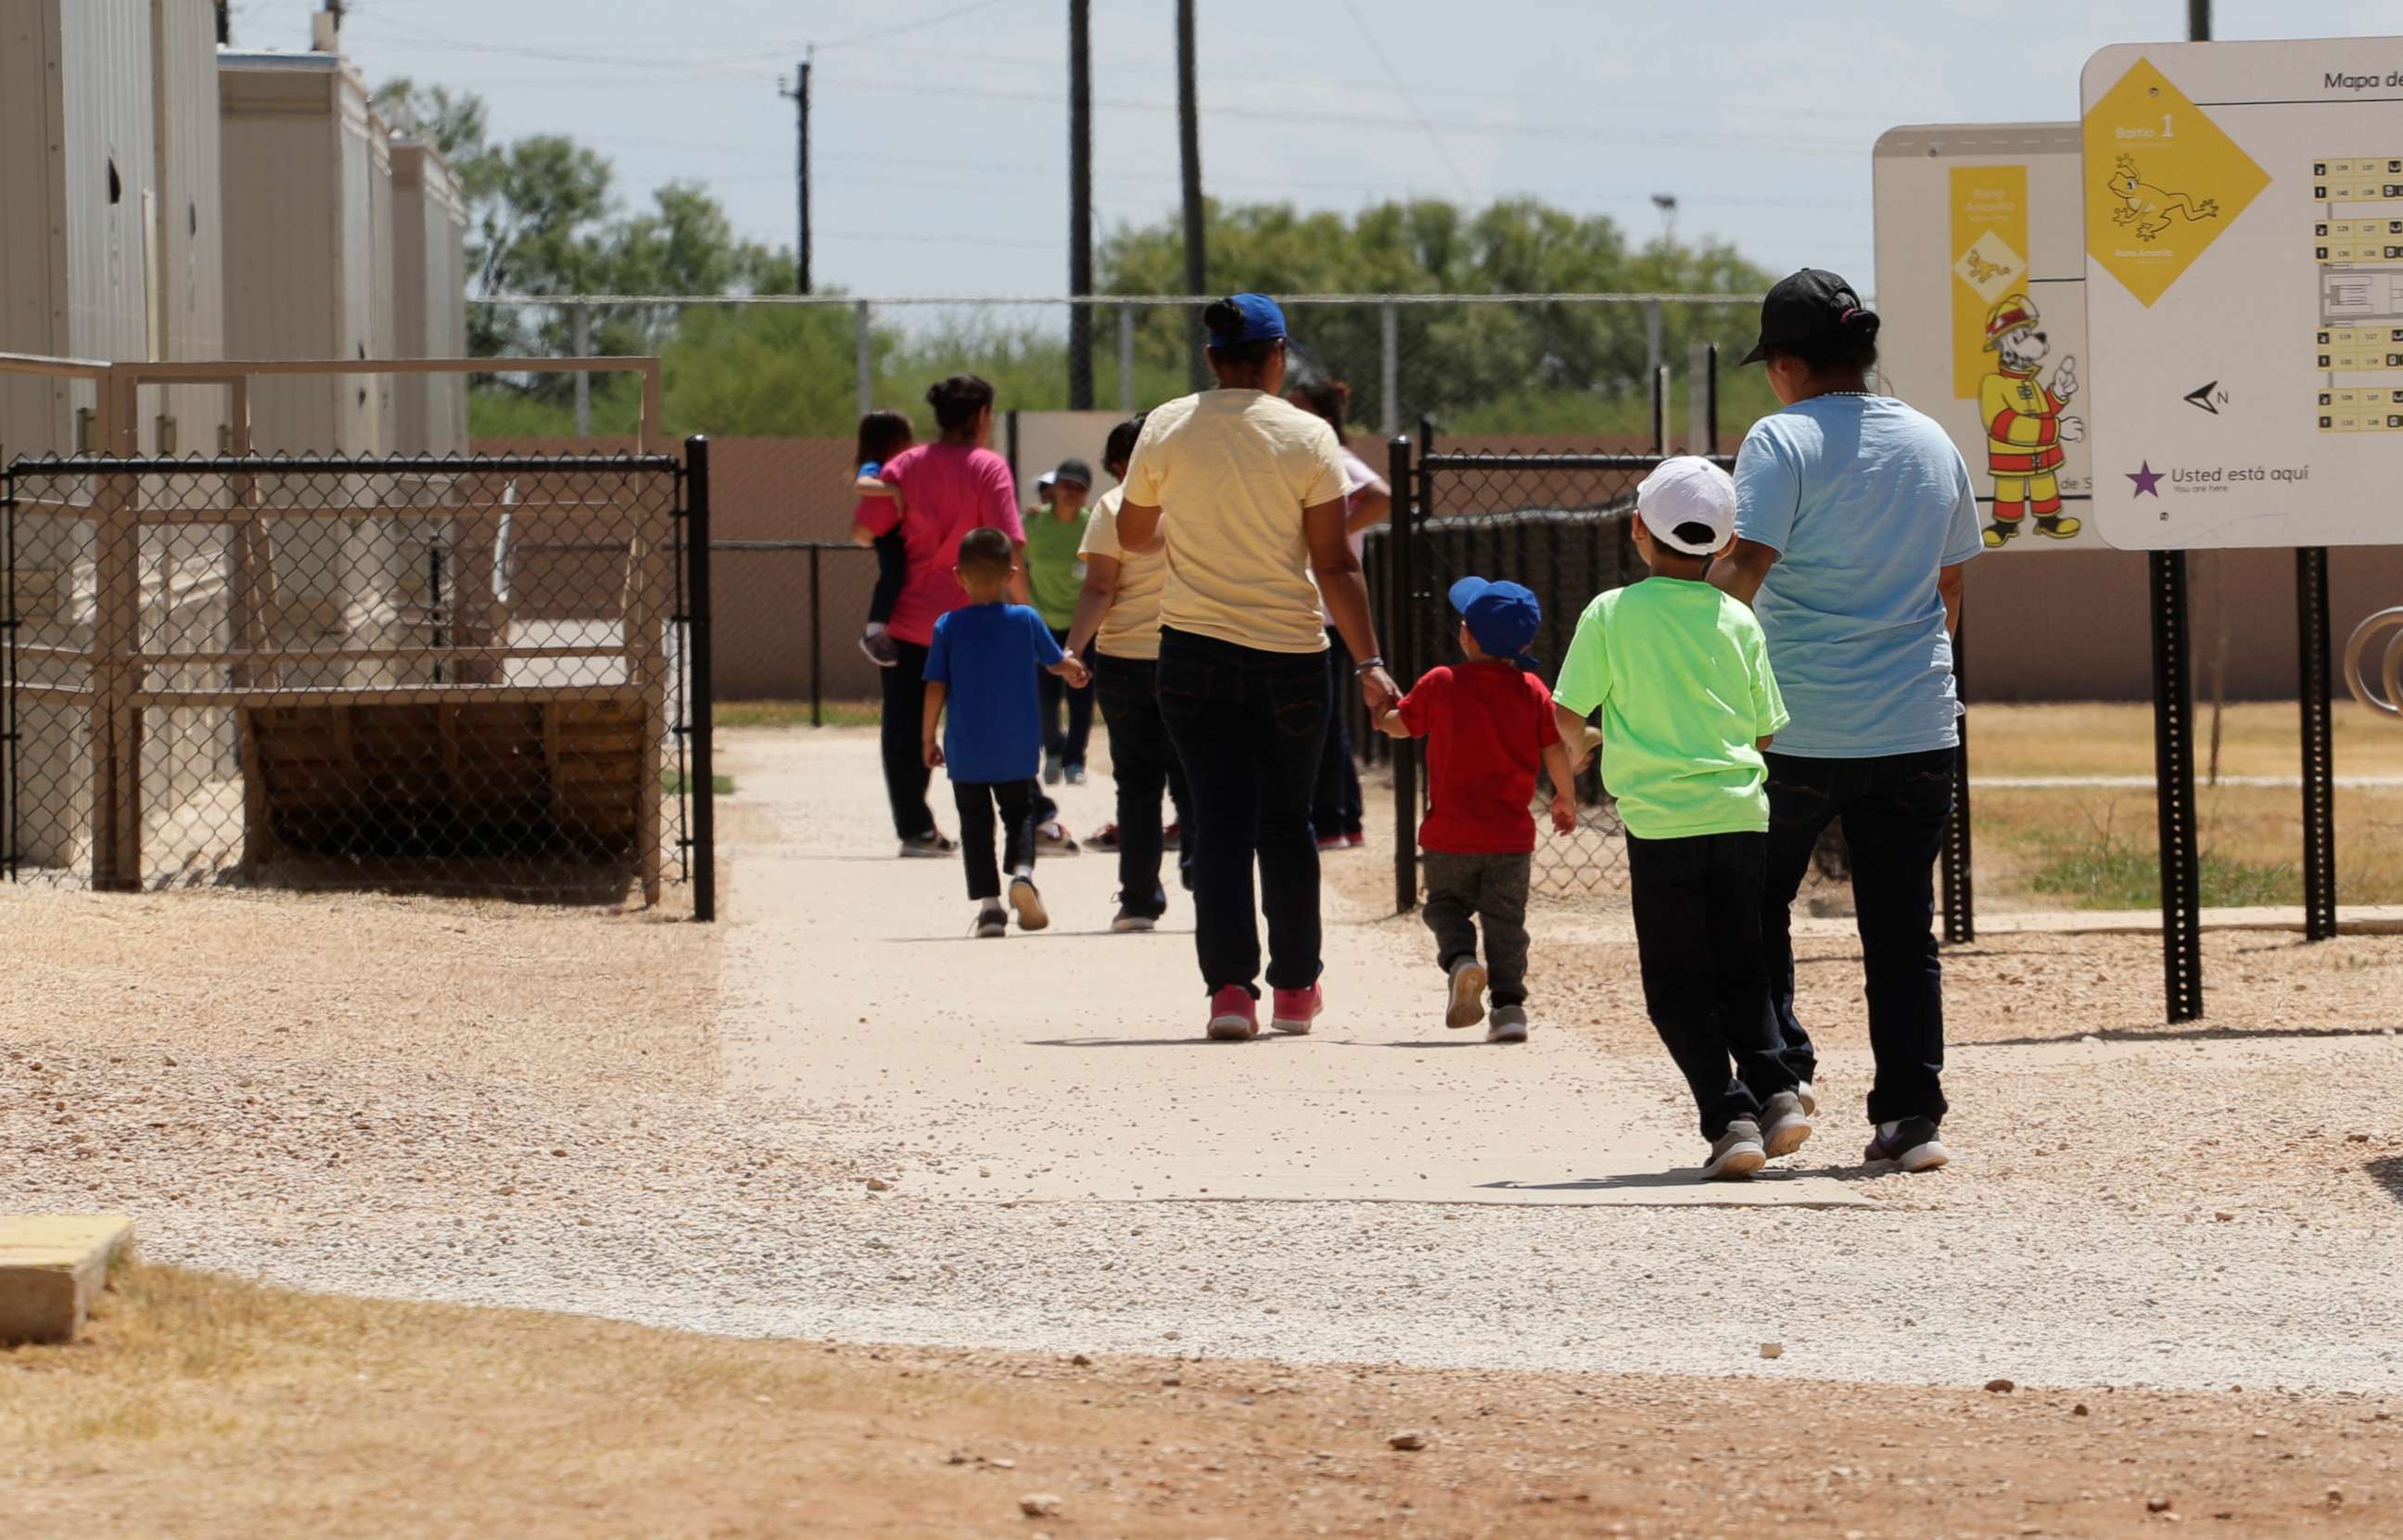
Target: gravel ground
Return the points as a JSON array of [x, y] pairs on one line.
[[371, 1095]]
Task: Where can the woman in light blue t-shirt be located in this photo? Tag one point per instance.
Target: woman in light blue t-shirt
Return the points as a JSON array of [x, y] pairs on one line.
[[1855, 516]]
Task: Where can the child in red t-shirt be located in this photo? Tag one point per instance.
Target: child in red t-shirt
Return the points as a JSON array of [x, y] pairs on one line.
[[1489, 726]]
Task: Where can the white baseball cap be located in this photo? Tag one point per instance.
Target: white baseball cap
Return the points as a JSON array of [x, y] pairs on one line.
[[1688, 489]]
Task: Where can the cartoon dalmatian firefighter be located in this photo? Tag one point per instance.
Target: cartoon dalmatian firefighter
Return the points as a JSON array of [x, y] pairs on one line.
[[2024, 424]]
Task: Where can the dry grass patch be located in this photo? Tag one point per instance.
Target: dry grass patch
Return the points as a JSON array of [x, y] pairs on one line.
[[207, 1408]]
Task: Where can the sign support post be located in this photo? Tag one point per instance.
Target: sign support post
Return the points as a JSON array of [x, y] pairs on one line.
[[2319, 755], [2174, 775]]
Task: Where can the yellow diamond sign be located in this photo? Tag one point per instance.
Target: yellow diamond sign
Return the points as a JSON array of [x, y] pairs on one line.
[[1991, 268], [2162, 181]]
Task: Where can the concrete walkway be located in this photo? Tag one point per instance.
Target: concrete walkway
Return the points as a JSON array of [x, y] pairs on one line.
[[1069, 1064]]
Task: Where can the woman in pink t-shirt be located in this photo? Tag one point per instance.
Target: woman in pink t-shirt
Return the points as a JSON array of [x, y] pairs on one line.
[[948, 488]]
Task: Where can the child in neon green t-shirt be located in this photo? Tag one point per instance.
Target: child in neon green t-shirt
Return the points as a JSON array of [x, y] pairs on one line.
[[1679, 674]]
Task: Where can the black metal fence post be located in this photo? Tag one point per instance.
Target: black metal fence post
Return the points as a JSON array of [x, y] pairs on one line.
[[697, 664], [2174, 772], [1401, 610], [1960, 899], [2319, 752], [1660, 411], [817, 647], [1711, 406]]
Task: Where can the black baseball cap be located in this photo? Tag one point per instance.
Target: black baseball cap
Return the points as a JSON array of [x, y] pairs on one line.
[[1810, 304]]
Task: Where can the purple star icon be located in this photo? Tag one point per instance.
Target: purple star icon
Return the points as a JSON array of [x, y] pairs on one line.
[[2148, 480]]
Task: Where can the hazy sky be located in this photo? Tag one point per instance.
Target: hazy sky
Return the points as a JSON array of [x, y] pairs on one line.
[[940, 137]]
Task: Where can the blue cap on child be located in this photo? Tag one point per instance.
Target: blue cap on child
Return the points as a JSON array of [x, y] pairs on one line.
[[1502, 616]]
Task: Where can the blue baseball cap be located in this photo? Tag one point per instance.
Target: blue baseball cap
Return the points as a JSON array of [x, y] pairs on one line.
[[1256, 319], [1502, 616]]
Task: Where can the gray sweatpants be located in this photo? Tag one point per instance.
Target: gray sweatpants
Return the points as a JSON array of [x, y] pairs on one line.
[[1460, 890]]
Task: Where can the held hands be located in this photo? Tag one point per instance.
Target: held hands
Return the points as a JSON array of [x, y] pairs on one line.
[[1564, 813], [1071, 668], [1376, 689], [932, 752]]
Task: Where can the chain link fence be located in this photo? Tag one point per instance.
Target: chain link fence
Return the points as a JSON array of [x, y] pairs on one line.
[[463, 677], [1555, 522]]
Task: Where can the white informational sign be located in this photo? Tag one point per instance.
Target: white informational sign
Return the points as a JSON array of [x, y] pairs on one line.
[[1981, 286], [2244, 292], [1035, 442]]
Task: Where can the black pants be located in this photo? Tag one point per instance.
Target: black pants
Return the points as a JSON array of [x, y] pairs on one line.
[[1335, 805], [1894, 810], [977, 801], [1249, 726], [1068, 746], [1696, 904], [892, 569], [906, 774], [1145, 764]]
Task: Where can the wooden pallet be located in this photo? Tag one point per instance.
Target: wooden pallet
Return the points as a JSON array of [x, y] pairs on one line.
[[498, 778]]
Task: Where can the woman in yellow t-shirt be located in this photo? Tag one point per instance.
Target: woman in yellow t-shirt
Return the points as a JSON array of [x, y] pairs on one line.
[[1244, 493]]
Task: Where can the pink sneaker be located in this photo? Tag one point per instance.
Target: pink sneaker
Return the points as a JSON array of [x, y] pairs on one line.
[[1296, 1009], [1235, 1014]]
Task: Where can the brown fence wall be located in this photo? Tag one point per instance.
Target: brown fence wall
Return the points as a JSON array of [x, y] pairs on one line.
[[2041, 626]]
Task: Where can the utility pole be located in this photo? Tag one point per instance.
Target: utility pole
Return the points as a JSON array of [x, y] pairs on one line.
[[1188, 143], [797, 93], [225, 22], [1080, 203], [2198, 20]]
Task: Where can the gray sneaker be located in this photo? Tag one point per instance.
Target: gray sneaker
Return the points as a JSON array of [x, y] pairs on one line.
[[1508, 1024], [1787, 1124], [1735, 1153], [1809, 1097]]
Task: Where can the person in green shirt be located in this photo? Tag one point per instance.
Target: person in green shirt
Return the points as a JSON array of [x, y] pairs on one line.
[[1055, 573], [1680, 672]]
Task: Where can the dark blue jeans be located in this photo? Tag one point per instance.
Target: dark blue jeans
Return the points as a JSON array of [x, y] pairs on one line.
[[1893, 810], [1068, 746], [1145, 764], [1249, 726]]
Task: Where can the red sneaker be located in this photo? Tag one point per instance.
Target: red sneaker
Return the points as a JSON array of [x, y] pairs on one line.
[[1355, 838], [1296, 1009], [1235, 1014]]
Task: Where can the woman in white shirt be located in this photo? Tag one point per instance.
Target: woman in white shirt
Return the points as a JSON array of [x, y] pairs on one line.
[[1336, 807]]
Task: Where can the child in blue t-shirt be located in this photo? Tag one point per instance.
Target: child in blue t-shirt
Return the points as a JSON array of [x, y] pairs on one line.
[[982, 662]]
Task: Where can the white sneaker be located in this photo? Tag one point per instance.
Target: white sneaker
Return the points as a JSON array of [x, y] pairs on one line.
[[1809, 1098], [1468, 1005], [1786, 1124], [991, 921], [1509, 1025], [1736, 1153], [1031, 915]]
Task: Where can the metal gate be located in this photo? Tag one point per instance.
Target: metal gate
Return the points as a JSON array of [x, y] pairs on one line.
[[1557, 523], [479, 675]]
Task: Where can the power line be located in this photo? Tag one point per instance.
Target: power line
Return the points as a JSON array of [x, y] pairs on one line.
[[1403, 90], [897, 29], [1530, 131]]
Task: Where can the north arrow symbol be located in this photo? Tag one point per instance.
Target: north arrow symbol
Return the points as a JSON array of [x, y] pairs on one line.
[[2202, 397]]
